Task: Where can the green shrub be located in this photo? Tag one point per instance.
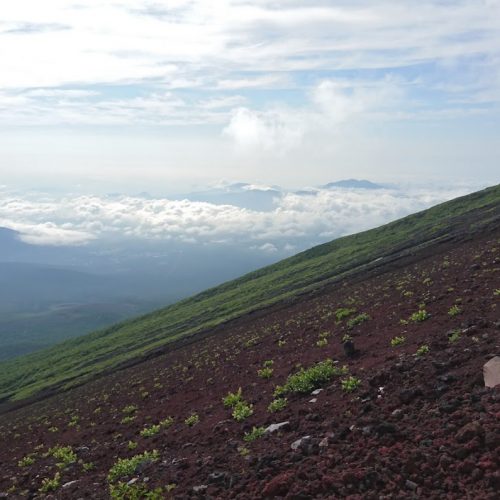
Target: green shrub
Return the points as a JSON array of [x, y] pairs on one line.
[[422, 350], [125, 467], [268, 364], [265, 373], [124, 491], [398, 341], [50, 484], [419, 316], [150, 431], [232, 399], [242, 410], [254, 434], [193, 419], [306, 380], [65, 454], [26, 461], [128, 410], [343, 312], [454, 311], [350, 384], [322, 342], [357, 320], [455, 335], [277, 404]]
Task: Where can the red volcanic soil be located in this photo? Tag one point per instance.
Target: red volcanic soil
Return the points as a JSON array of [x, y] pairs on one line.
[[416, 427]]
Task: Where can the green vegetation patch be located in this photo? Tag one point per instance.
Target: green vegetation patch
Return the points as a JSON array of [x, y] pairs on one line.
[[306, 380]]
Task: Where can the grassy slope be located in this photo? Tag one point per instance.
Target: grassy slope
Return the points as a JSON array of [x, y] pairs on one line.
[[76, 360]]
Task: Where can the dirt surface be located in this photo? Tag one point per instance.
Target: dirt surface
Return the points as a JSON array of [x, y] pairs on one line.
[[418, 426]]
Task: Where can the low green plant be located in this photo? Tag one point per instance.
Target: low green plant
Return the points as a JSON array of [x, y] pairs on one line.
[[422, 350], [454, 336], [166, 422], [350, 384], [26, 461], [129, 409], [454, 311], [277, 404], [125, 491], [254, 434], [281, 343], [132, 445], [398, 341], [322, 342], [344, 312], [242, 410], [88, 466], [128, 419], [232, 399], [419, 316], [65, 454], [268, 363], [357, 320], [265, 373], [150, 431], [50, 484], [193, 419], [125, 467], [306, 380]]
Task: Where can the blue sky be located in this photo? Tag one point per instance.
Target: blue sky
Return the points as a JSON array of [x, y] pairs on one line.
[[168, 95]]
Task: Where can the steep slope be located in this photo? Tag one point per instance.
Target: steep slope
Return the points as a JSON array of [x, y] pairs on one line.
[[75, 361], [408, 416]]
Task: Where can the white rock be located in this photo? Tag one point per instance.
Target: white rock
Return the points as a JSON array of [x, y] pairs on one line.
[[276, 427], [316, 392], [491, 372], [313, 400]]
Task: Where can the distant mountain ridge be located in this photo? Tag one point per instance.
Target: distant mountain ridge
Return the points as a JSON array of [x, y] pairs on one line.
[[353, 184]]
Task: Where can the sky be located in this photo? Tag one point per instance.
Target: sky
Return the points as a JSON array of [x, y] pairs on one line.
[[102, 96]]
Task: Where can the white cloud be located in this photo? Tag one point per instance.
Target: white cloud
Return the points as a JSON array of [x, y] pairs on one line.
[[297, 220]]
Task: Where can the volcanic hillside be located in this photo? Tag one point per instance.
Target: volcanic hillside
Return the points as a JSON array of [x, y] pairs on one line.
[[362, 377]]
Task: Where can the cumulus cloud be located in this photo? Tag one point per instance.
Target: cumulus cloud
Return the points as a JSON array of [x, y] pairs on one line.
[[297, 221], [330, 105]]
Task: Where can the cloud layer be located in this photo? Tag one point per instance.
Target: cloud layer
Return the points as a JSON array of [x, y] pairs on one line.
[[297, 221]]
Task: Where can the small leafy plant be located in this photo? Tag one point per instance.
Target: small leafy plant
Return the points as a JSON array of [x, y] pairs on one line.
[[344, 312], [125, 467], [232, 399], [422, 350], [50, 484], [254, 434], [398, 341], [454, 336], [419, 316], [306, 380], [193, 419], [357, 320], [454, 311], [150, 431], [26, 461], [242, 410], [350, 384], [277, 404], [65, 454], [265, 373]]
